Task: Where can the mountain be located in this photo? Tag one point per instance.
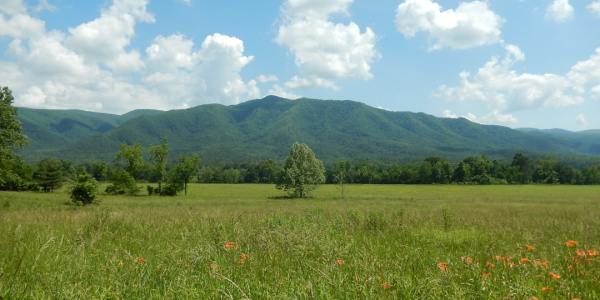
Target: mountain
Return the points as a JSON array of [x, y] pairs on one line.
[[265, 128]]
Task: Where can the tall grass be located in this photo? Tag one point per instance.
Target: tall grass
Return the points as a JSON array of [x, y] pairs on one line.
[[242, 241]]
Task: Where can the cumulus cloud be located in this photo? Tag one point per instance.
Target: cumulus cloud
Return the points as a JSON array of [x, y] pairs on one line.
[[325, 51], [505, 90], [92, 66], [594, 8], [560, 11], [471, 24]]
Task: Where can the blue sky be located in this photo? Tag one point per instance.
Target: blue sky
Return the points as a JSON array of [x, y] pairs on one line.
[[529, 63]]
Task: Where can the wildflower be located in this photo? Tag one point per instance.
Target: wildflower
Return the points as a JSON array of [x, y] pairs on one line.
[[534, 298], [340, 262], [592, 253], [575, 299], [443, 266], [490, 265], [571, 243], [554, 275], [541, 263], [468, 260], [580, 253], [229, 245], [546, 289], [386, 285], [530, 248], [244, 258], [486, 275], [524, 260], [140, 261]]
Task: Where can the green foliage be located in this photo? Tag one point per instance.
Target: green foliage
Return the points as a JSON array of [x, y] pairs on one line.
[[49, 174], [158, 158], [302, 172], [122, 183], [11, 134], [130, 158], [181, 174], [342, 174], [264, 129], [84, 190]]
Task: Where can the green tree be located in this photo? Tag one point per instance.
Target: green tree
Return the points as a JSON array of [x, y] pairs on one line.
[[99, 170], [122, 183], [182, 173], [49, 174], [302, 172], [130, 158], [341, 174], [435, 170], [84, 190], [11, 137], [158, 156], [521, 162]]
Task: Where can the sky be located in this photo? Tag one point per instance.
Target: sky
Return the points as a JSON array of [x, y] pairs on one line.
[[517, 63]]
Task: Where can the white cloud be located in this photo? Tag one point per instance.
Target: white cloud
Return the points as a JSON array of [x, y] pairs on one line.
[[187, 2], [266, 78], [594, 8], [89, 67], [449, 114], [11, 7], [279, 91], [581, 120], [324, 51], [560, 11], [471, 24], [494, 117], [504, 90], [44, 5]]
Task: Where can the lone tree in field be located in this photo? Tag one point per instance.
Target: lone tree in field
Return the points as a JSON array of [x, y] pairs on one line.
[[158, 156], [84, 190], [182, 173], [342, 174], [302, 172], [49, 174]]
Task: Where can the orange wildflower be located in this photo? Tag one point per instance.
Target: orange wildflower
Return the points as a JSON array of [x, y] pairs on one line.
[[546, 289], [592, 253], [140, 261], [468, 260], [340, 262], [575, 299], [524, 260], [580, 252], [486, 275], [554, 275], [244, 258], [229, 245], [534, 298], [386, 285], [443, 266], [571, 243], [490, 265], [541, 263], [530, 248]]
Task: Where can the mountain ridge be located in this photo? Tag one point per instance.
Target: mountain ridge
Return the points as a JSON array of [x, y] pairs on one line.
[[265, 128]]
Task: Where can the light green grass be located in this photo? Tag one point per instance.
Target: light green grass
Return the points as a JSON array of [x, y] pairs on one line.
[[394, 234]]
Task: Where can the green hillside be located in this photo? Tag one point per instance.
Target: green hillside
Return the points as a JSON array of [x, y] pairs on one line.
[[265, 128]]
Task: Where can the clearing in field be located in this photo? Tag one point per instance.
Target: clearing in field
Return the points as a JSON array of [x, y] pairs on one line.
[[242, 241]]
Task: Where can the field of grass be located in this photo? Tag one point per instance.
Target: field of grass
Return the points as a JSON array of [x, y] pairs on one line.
[[243, 241]]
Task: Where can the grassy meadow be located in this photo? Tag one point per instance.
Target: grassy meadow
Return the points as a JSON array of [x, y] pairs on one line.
[[245, 241]]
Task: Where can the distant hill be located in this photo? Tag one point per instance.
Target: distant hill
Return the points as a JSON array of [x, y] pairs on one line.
[[265, 128]]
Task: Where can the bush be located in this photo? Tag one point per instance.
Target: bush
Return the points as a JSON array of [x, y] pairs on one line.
[[169, 190], [84, 190], [122, 183]]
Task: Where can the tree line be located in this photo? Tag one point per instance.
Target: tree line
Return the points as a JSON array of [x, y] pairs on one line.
[[299, 173]]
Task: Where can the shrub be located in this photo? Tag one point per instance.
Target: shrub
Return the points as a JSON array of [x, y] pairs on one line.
[[122, 183], [84, 190]]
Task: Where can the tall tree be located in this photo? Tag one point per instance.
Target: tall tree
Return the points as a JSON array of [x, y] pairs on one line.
[[158, 156], [11, 137], [521, 162], [302, 172], [130, 157]]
